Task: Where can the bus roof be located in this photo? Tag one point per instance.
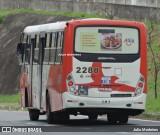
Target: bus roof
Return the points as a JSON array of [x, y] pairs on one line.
[[50, 27]]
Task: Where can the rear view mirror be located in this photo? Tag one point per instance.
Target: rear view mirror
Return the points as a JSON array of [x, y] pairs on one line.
[[20, 48]]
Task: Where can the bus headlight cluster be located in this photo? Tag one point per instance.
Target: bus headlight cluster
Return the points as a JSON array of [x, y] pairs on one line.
[[140, 86]]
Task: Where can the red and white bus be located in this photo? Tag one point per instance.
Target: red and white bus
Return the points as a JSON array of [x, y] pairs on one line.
[[88, 67]]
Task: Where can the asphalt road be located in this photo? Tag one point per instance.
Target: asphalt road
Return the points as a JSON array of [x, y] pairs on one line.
[[77, 124]]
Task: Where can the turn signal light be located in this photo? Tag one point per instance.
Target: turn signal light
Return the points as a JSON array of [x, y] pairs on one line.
[[69, 77], [142, 79]]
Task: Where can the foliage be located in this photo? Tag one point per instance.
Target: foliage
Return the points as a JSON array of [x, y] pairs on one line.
[[154, 41], [108, 11], [154, 53]]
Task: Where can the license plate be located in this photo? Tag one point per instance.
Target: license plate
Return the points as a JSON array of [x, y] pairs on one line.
[[105, 89], [106, 80]]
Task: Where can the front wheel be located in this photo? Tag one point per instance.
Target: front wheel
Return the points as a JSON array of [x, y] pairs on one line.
[[33, 114]]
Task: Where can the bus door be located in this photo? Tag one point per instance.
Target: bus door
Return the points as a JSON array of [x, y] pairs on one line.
[[44, 65], [47, 61], [37, 76], [28, 68], [35, 71]]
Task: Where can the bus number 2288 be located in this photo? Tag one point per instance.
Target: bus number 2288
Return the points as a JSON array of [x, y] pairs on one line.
[[87, 70]]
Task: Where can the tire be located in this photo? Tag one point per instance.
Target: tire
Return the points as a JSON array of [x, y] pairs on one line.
[[93, 116], [33, 114], [49, 114], [26, 98], [53, 118], [112, 119], [123, 119], [61, 117]]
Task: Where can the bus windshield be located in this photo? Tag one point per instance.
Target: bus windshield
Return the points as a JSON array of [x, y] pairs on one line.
[[107, 40]]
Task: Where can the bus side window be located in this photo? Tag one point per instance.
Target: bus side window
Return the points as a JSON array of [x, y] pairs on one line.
[[62, 44], [47, 48], [23, 55], [36, 50], [59, 48], [27, 50], [53, 42]]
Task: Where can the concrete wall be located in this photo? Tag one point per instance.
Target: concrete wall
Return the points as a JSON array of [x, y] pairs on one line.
[[121, 11], [148, 3]]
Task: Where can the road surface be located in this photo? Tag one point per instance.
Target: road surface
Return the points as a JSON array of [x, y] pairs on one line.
[[77, 124]]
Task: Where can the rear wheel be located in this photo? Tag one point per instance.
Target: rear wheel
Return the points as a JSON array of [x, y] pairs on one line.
[[123, 119], [49, 114], [112, 119], [53, 117], [33, 114], [61, 117], [93, 116]]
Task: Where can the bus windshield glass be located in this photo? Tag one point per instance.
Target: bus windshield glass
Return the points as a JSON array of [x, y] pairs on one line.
[[107, 40]]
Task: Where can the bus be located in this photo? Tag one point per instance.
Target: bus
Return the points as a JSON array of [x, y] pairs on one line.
[[84, 67]]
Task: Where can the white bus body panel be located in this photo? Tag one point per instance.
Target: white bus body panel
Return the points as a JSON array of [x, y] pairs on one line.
[[127, 73], [119, 103], [130, 73]]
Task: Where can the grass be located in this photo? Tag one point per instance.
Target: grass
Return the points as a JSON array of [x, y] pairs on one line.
[[148, 116], [14, 98], [10, 102], [4, 13], [10, 106], [153, 105]]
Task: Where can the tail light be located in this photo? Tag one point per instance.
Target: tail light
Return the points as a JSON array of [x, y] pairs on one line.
[[69, 77], [79, 90], [71, 85], [140, 86]]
